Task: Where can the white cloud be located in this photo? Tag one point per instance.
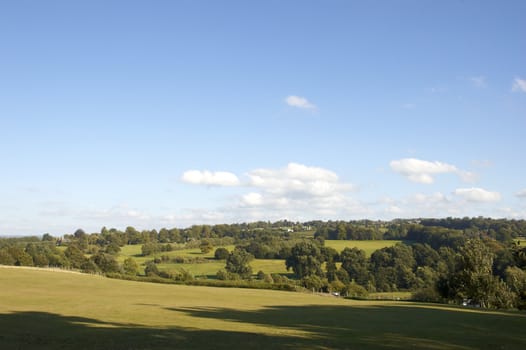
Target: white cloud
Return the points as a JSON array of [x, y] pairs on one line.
[[297, 191], [476, 194], [217, 178], [422, 171], [519, 85], [300, 102], [479, 81], [298, 180], [395, 210], [421, 205], [252, 199], [521, 193]]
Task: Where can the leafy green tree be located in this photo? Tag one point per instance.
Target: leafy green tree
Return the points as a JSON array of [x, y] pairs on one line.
[[355, 290], [151, 269], [426, 276], [222, 275], [81, 238], [221, 253], [113, 248], [516, 280], [331, 269], [105, 262], [313, 282], [238, 262], [130, 267], [337, 286], [149, 249], [206, 247], [88, 266], [46, 237], [305, 260], [58, 259], [21, 257], [475, 270], [342, 275], [6, 258], [392, 268], [75, 256], [519, 254], [356, 264], [425, 255], [473, 278]]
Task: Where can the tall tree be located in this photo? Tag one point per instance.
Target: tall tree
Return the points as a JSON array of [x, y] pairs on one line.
[[238, 262], [305, 260], [356, 264], [473, 278], [130, 267]]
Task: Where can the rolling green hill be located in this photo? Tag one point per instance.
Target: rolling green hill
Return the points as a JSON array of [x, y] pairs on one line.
[[42, 309], [209, 266]]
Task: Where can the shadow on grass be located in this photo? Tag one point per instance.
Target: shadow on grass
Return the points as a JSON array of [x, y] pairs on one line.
[[42, 330], [395, 326], [328, 327]]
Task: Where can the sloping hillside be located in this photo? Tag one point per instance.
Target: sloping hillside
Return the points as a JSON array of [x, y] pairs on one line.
[[42, 309]]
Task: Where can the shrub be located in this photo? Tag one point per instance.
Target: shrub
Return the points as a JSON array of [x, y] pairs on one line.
[[221, 253], [428, 295], [354, 290]]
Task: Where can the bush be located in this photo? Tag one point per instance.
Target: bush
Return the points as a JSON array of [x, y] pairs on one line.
[[264, 277], [206, 247], [221, 253], [337, 286], [224, 275], [428, 295], [354, 290], [151, 269]]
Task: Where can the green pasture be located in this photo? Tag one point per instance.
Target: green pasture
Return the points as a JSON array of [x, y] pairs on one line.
[[269, 266], [210, 266], [368, 246], [390, 296], [56, 310], [135, 252]]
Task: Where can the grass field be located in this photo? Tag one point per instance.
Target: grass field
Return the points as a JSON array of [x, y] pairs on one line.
[[55, 310], [210, 267], [368, 246]]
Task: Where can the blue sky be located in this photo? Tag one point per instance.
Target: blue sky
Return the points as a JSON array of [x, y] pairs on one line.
[[172, 113]]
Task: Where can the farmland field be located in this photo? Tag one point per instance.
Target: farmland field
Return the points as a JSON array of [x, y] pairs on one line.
[[48, 310], [368, 246], [209, 267]]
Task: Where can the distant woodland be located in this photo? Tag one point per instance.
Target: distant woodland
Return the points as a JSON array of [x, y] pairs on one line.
[[477, 262]]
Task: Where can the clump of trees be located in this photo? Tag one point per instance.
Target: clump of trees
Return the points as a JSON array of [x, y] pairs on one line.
[[475, 272]]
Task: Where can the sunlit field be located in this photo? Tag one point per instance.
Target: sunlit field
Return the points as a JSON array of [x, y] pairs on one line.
[[207, 266], [368, 246], [49, 310]]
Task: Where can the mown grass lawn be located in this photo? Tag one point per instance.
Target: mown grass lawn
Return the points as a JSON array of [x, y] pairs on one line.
[[55, 310]]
